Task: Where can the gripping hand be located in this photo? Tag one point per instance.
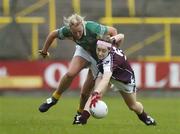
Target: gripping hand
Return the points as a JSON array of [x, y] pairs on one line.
[[94, 99]]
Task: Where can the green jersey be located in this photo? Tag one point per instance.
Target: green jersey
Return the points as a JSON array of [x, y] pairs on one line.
[[92, 31]]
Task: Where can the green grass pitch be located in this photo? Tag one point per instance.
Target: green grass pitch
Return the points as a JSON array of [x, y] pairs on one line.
[[20, 115]]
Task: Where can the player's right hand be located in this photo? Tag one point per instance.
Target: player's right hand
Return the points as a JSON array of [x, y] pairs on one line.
[[44, 55], [94, 99]]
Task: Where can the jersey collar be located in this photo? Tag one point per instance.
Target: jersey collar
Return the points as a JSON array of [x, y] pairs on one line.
[[84, 27]]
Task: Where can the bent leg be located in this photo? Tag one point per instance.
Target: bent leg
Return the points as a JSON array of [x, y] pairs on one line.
[[137, 107], [76, 65], [130, 100]]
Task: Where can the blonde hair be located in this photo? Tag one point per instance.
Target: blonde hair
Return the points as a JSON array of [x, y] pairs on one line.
[[73, 20]]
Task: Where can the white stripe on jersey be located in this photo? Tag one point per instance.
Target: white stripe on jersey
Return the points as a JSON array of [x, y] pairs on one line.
[[107, 64]]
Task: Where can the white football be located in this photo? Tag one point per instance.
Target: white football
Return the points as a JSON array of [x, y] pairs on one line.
[[100, 110]]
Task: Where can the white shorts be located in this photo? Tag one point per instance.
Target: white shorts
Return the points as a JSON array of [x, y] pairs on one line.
[[84, 54], [127, 88]]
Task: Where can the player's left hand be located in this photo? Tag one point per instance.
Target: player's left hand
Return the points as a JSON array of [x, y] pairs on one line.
[[112, 41], [94, 99]]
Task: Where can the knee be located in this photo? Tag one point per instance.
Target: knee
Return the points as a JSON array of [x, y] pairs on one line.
[[70, 75]]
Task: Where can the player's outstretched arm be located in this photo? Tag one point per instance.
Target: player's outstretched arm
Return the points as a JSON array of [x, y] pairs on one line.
[[100, 88], [103, 83], [50, 38]]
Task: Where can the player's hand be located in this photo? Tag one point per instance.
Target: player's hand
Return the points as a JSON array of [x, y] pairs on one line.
[[112, 41], [117, 40], [94, 99], [44, 55]]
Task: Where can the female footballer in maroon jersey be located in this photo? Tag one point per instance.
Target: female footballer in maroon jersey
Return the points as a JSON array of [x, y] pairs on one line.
[[114, 68]]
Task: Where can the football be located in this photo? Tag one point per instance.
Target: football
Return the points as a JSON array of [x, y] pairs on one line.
[[100, 110]]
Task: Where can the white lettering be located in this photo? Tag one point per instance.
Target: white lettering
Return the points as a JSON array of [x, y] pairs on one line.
[[150, 77], [3, 71], [50, 74], [174, 78]]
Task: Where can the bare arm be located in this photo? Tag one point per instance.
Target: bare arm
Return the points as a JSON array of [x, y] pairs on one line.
[[111, 31], [50, 38], [118, 38], [102, 84]]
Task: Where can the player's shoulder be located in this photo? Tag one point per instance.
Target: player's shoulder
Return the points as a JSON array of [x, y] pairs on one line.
[[116, 49]]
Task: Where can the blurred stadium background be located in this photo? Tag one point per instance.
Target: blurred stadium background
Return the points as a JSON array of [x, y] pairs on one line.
[[152, 44], [151, 28]]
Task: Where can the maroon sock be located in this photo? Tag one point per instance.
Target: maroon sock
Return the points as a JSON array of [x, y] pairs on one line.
[[142, 116], [84, 117]]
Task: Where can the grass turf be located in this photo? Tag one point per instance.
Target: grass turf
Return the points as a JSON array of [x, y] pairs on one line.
[[20, 115]]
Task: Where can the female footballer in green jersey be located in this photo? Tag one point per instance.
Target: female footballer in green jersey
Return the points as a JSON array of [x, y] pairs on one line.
[[85, 34]]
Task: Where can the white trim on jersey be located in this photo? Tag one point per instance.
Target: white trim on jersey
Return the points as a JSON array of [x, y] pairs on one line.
[[107, 64], [84, 26]]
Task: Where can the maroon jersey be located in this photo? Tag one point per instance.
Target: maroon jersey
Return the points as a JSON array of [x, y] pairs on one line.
[[117, 63]]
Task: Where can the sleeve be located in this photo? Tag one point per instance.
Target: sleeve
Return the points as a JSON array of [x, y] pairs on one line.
[[63, 33], [97, 28]]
